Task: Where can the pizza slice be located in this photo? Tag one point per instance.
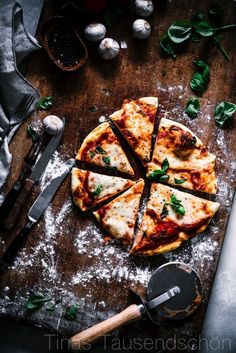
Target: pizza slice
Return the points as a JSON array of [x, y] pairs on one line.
[[102, 148], [180, 158], [119, 216], [89, 189], [171, 217], [136, 122]]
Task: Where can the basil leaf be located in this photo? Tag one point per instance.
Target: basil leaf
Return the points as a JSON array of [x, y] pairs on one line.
[[201, 78], [177, 205], [165, 165], [44, 103], [168, 46], [155, 175], [71, 312], [224, 112], [92, 154], [97, 191], [100, 150], [192, 107], [203, 28], [164, 178], [179, 32], [164, 211], [106, 160], [32, 133], [36, 301], [179, 181]]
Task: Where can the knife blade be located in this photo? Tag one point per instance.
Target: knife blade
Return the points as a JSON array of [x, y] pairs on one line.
[[34, 214], [33, 178]]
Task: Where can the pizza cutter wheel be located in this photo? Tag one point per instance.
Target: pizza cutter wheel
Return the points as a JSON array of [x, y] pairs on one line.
[[174, 292]]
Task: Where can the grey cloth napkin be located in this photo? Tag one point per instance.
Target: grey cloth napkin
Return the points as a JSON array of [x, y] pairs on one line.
[[15, 44]]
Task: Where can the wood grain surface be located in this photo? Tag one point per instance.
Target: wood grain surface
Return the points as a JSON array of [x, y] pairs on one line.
[[52, 260]]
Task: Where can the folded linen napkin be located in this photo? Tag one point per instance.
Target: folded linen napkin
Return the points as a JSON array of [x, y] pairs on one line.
[[16, 43]]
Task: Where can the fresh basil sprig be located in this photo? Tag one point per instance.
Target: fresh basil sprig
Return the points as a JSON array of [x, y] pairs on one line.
[[36, 301], [201, 78], [44, 103], [160, 174], [224, 112], [177, 205], [71, 312], [192, 107], [97, 191], [181, 31], [107, 160], [179, 181]]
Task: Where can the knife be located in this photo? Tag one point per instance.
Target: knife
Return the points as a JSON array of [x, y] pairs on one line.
[[34, 177], [34, 214]]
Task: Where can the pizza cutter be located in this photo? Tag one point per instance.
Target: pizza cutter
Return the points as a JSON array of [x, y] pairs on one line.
[[174, 292]]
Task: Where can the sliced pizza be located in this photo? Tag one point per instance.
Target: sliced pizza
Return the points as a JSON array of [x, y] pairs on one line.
[[171, 217], [102, 148], [136, 122], [180, 158], [119, 216], [89, 189]]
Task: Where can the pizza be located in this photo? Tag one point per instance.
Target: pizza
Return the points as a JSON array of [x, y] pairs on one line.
[[90, 189], [136, 121], [171, 217], [119, 216], [102, 148], [180, 158]]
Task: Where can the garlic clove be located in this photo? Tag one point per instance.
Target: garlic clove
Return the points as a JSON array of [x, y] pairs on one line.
[[141, 29], [52, 124], [95, 32], [144, 8], [108, 48]]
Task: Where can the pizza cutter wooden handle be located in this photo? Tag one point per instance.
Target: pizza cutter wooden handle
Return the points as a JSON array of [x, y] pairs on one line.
[[85, 338]]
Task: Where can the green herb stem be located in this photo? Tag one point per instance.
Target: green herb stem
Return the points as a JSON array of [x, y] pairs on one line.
[[221, 49], [225, 28]]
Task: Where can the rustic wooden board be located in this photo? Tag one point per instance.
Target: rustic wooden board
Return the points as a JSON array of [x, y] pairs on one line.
[[65, 256]]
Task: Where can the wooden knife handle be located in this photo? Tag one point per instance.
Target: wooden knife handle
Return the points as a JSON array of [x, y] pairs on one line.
[[13, 215], [85, 338]]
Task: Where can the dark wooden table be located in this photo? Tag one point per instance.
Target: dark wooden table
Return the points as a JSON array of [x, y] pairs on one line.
[[65, 256]]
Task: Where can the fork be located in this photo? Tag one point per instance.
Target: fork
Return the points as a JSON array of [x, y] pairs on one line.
[[19, 114]]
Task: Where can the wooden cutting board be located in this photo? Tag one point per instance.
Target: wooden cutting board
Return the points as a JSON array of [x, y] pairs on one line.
[[65, 256]]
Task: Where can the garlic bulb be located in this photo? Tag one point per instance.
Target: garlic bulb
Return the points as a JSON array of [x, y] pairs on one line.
[[141, 29], [108, 48], [144, 8], [52, 124], [95, 32]]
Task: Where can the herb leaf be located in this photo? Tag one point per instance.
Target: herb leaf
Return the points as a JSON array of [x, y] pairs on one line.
[[168, 46], [164, 211], [71, 312], [180, 31], [106, 160], [201, 78], [100, 150], [97, 190], [203, 28], [192, 107], [32, 132], [179, 181], [165, 165], [177, 205], [44, 103], [36, 301], [224, 112], [92, 154]]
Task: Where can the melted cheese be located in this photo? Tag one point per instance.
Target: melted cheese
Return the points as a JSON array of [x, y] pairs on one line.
[[119, 216], [182, 166]]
